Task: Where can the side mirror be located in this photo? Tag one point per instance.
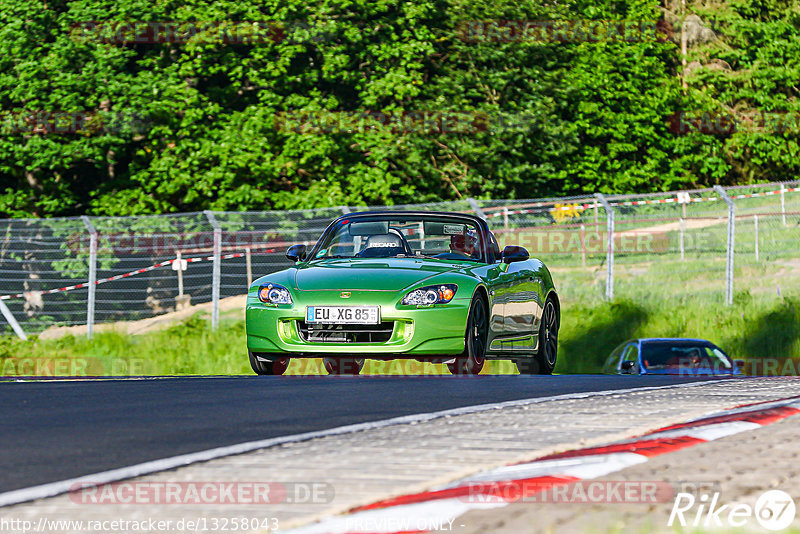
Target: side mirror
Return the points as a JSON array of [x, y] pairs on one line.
[[627, 366], [296, 253], [514, 253], [739, 364]]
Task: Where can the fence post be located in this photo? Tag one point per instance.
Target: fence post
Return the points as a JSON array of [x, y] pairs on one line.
[[90, 299], [731, 237], [610, 248], [180, 272], [505, 218], [249, 264], [755, 227], [583, 246], [216, 271], [12, 321], [783, 204], [683, 198]]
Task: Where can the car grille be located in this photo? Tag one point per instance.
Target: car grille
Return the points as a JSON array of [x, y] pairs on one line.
[[348, 333]]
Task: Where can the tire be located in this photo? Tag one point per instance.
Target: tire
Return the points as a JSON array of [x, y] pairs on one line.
[[474, 356], [343, 366], [546, 356], [277, 367]]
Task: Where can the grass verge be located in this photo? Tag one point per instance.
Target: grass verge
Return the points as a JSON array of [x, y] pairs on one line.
[[752, 329]]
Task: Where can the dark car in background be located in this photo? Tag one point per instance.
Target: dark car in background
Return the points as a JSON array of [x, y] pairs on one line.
[[681, 356]]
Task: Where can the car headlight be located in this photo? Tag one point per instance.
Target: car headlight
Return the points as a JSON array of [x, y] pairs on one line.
[[440, 294], [274, 294]]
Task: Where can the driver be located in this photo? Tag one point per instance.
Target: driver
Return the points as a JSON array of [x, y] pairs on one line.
[[466, 244]]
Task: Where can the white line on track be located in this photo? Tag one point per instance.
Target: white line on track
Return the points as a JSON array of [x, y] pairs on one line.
[[114, 475]]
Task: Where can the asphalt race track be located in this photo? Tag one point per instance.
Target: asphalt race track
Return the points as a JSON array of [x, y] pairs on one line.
[[56, 430]]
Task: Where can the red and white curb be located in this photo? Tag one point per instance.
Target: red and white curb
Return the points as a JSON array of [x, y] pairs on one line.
[[496, 488]]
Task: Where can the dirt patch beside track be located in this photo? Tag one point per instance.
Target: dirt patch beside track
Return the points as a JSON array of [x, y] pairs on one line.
[[159, 322]]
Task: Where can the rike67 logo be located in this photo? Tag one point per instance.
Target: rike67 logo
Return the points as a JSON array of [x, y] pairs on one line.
[[774, 510]]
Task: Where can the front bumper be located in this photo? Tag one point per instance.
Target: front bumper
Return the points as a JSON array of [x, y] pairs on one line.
[[437, 330]]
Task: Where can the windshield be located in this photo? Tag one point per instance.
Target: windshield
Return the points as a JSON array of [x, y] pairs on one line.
[[664, 354], [446, 238]]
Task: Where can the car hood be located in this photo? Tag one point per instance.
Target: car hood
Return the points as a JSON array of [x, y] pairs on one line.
[[390, 274]]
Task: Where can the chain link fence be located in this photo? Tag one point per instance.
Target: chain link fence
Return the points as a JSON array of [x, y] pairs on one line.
[[709, 243]]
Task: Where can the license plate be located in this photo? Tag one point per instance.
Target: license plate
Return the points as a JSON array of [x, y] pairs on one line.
[[343, 314]]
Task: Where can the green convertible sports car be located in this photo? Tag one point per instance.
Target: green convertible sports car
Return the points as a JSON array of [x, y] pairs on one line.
[[423, 285]]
